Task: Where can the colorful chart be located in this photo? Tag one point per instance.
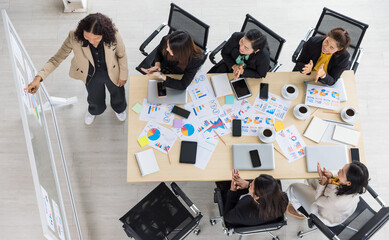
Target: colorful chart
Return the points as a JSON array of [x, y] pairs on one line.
[[313, 91], [247, 120], [323, 92], [153, 134], [187, 130], [335, 94]]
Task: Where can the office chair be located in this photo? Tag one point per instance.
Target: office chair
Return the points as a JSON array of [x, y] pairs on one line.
[[178, 19], [161, 216], [362, 224], [274, 41], [245, 230], [329, 20]]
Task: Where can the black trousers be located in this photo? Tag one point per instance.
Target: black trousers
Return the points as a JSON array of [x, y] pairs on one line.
[[96, 94]]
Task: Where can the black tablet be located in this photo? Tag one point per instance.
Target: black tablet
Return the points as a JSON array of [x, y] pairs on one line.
[[240, 88]]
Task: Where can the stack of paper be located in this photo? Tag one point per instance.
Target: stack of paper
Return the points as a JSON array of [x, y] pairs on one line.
[[346, 135], [147, 162], [316, 129], [221, 85]]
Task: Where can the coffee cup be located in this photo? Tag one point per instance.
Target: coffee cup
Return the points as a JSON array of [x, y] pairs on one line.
[[301, 111], [349, 114], [289, 91], [267, 135]]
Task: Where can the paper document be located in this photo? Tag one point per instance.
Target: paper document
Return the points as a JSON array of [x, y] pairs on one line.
[[322, 97], [160, 113], [205, 148], [160, 138], [275, 106], [291, 143], [200, 88]]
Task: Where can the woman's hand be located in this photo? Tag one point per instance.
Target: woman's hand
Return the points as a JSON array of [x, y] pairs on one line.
[[307, 68], [322, 176], [239, 182], [238, 70], [320, 73], [34, 85], [121, 83], [328, 174], [151, 70], [233, 186]]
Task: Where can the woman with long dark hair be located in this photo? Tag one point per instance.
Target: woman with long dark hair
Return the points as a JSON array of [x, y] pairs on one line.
[[333, 197], [245, 54], [99, 61], [264, 202], [327, 56], [176, 54]]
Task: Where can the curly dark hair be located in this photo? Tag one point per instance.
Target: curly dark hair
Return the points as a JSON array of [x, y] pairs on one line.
[[98, 24], [358, 175]]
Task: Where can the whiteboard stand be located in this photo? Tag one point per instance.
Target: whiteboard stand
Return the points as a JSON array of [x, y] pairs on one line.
[[75, 6], [59, 102]]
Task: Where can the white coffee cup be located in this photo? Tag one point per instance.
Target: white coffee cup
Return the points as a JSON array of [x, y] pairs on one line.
[[289, 91], [267, 135], [349, 114], [301, 111]]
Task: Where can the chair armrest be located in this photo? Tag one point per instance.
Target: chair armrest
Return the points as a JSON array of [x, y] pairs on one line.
[[321, 226], [150, 38], [177, 190], [375, 196], [297, 51], [214, 52], [276, 67], [219, 201], [358, 57]]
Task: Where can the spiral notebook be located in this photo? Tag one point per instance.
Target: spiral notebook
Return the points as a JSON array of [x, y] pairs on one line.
[[147, 162]]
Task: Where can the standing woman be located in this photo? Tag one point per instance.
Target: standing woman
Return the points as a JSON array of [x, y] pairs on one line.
[[99, 60], [245, 54], [176, 54], [327, 56]]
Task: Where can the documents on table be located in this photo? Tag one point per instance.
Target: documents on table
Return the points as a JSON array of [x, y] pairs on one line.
[[275, 106], [322, 97], [200, 88], [160, 113], [291, 143], [159, 137], [205, 148]]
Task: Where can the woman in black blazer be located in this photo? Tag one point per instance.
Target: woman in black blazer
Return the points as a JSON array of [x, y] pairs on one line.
[[263, 203], [245, 54], [176, 54], [326, 55]]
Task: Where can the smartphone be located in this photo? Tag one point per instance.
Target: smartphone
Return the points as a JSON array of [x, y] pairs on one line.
[[180, 112], [161, 89], [236, 127], [264, 91], [354, 154], [255, 160]]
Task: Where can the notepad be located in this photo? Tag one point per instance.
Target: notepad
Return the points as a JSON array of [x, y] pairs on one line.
[[230, 99], [316, 129], [137, 108], [143, 141], [279, 126], [346, 135], [221, 85], [147, 162], [177, 123]]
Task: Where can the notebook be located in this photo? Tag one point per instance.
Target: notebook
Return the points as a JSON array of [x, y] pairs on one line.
[[188, 152], [221, 85], [241, 156], [346, 135], [147, 162], [331, 157], [316, 129], [173, 96]]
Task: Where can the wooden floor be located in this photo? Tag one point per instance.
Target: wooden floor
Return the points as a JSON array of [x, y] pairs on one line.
[[96, 154]]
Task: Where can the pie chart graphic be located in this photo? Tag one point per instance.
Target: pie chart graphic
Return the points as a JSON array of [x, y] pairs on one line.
[[187, 130], [153, 134]]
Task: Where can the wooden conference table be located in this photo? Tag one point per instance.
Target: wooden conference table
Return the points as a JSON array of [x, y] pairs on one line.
[[220, 165]]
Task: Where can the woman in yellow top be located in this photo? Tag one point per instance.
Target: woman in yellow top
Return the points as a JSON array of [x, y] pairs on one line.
[[99, 61], [327, 56]]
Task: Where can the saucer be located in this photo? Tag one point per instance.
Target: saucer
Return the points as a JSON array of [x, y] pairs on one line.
[[296, 112], [287, 95], [344, 117]]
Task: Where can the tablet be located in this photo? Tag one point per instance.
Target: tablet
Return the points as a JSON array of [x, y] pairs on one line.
[[240, 88]]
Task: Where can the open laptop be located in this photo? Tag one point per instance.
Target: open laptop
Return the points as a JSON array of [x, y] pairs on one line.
[[173, 96], [331, 157], [241, 156]]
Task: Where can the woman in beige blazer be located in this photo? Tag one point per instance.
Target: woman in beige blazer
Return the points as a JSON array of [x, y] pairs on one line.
[[99, 61], [333, 197]]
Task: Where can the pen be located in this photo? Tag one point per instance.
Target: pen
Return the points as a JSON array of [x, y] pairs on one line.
[[168, 157], [220, 137], [348, 124]]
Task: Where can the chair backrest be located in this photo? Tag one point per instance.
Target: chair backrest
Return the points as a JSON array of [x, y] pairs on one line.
[[330, 19], [373, 225], [181, 19], [274, 40]]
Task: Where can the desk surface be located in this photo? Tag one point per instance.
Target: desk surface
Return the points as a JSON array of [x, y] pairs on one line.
[[220, 164]]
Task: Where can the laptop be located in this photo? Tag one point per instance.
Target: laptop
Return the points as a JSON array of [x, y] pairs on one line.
[[173, 96], [331, 157], [241, 156]]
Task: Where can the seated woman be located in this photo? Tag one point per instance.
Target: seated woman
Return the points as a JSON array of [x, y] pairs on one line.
[[263, 203], [326, 55], [245, 54], [176, 54], [331, 198]]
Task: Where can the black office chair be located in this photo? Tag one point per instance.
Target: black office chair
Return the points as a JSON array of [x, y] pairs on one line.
[[330, 19], [274, 41], [178, 19], [245, 230], [362, 224], [161, 216]]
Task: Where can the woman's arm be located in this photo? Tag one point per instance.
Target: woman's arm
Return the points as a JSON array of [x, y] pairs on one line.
[[233, 209], [262, 66], [304, 57], [122, 57], [228, 47], [189, 73], [335, 71], [158, 54]]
